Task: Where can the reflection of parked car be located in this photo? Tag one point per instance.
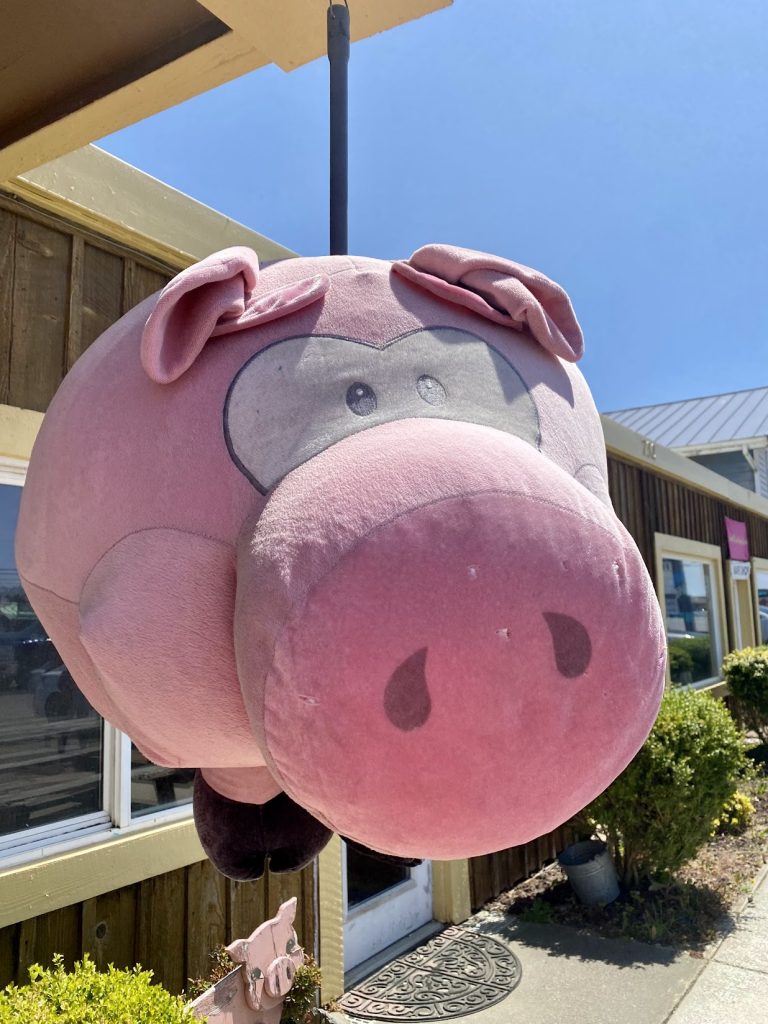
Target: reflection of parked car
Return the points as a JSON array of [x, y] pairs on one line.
[[22, 651], [55, 695]]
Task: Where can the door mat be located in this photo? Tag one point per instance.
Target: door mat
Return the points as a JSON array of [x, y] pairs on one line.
[[457, 973]]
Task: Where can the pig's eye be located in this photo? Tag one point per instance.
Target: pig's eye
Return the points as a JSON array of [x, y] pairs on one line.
[[571, 643], [361, 399], [430, 389]]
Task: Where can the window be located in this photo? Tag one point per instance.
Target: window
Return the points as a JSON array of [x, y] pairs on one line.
[[65, 774], [690, 583], [760, 578]]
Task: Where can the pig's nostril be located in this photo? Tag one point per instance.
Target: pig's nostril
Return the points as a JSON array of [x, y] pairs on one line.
[[406, 698], [571, 643]]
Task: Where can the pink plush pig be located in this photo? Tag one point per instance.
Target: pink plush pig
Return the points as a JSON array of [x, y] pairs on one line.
[[337, 533]]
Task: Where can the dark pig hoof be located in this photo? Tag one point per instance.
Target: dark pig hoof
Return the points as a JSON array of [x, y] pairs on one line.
[[240, 839], [386, 858]]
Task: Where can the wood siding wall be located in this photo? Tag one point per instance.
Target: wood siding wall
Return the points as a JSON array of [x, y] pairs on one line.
[[496, 872], [169, 924], [648, 503], [60, 288]]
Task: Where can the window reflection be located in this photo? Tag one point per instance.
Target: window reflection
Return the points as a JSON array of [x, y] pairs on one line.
[[50, 737], [690, 617], [154, 788], [762, 585]]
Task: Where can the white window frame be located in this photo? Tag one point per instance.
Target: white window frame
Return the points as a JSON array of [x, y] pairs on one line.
[[114, 820], [668, 546]]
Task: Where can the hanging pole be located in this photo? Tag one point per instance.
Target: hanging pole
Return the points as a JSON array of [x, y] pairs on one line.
[[338, 57]]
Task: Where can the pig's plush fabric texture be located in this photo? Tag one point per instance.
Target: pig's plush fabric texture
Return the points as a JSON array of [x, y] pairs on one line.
[[337, 533]]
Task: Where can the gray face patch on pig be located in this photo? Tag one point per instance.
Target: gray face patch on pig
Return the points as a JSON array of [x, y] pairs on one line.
[[299, 396]]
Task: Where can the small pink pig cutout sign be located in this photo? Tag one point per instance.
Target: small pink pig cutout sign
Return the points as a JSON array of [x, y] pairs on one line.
[[255, 991], [337, 534]]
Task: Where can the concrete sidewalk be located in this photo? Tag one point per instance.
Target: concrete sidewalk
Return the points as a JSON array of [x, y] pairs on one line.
[[570, 977], [733, 986]]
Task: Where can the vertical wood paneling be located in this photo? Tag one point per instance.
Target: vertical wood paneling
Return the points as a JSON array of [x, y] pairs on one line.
[[9, 954], [162, 928], [247, 907], [59, 290], [7, 273], [101, 298], [140, 282], [206, 917], [109, 927], [40, 938], [649, 503], [40, 311], [74, 340]]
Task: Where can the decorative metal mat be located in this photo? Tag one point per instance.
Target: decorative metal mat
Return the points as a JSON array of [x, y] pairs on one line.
[[457, 973]]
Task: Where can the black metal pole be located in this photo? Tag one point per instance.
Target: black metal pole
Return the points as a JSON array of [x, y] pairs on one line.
[[338, 57]]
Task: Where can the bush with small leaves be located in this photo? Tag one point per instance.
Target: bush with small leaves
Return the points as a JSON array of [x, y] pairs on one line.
[[300, 1001], [746, 672], [659, 812], [735, 817], [88, 996]]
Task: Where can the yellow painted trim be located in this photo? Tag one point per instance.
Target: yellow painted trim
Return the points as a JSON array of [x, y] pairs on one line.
[[298, 34], [91, 871], [741, 607], [451, 900], [331, 914], [719, 689], [18, 430], [626, 444], [290, 34], [209, 65], [758, 565], [679, 547], [95, 191]]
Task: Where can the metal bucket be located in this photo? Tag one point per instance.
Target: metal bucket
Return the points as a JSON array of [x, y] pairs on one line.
[[590, 871]]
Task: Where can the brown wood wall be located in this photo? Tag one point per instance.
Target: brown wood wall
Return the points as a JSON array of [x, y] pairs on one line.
[[169, 923], [649, 503], [60, 287], [496, 872]]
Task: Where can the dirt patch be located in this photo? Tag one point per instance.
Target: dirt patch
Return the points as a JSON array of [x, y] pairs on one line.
[[686, 912]]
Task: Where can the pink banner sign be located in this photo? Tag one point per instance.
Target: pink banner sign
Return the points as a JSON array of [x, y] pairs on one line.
[[738, 545]]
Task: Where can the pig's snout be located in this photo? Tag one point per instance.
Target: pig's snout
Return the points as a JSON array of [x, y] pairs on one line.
[[433, 616]]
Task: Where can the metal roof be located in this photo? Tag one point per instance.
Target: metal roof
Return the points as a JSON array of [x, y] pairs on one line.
[[714, 419]]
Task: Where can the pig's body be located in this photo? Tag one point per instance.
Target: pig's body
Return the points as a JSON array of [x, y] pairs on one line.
[[381, 574]]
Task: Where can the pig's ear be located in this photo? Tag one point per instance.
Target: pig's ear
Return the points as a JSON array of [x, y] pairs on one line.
[[214, 297], [500, 290]]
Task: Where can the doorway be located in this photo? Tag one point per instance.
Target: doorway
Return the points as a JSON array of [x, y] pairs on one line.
[[382, 903]]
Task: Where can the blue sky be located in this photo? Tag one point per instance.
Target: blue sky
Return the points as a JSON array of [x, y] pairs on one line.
[[621, 148]]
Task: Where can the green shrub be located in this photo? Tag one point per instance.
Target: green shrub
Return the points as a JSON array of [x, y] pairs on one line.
[[735, 816], [746, 673], [222, 964], [300, 1001], [659, 812], [88, 996]]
